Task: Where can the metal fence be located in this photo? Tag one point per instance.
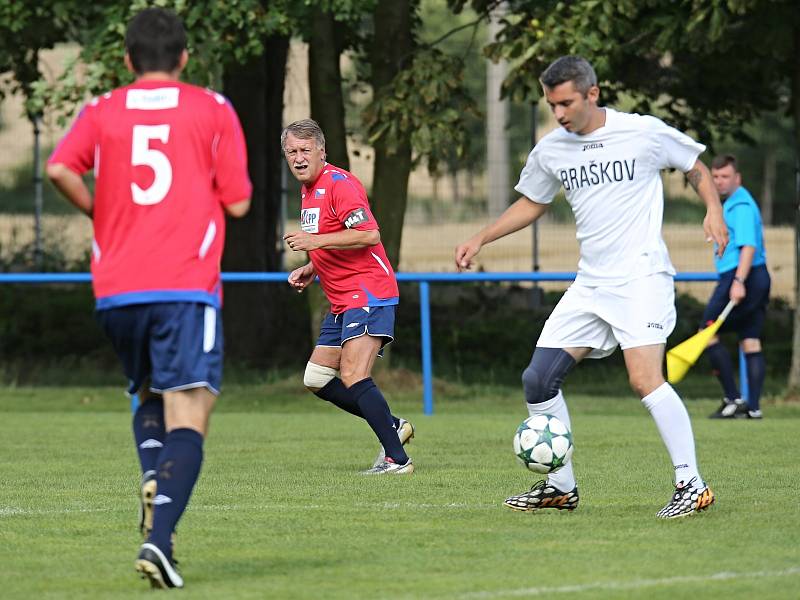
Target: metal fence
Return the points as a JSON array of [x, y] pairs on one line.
[[423, 279]]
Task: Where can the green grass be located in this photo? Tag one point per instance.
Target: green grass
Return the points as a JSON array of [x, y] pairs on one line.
[[281, 512]]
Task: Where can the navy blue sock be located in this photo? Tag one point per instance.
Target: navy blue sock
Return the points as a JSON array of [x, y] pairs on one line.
[[722, 365], [149, 431], [376, 412], [756, 371], [336, 393], [178, 469]]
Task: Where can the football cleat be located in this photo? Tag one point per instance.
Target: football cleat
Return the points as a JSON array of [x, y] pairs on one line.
[[160, 570], [543, 495], [405, 431], [688, 499], [729, 409], [147, 492], [389, 467], [754, 414]]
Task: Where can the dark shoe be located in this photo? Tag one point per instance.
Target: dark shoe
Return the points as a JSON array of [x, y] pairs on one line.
[[728, 409], [542, 495], [160, 570]]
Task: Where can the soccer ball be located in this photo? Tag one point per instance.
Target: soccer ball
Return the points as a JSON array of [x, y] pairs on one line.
[[543, 443]]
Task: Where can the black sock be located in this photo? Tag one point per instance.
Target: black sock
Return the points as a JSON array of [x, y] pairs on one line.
[[723, 368], [336, 393], [149, 432], [756, 371], [178, 470], [376, 412]]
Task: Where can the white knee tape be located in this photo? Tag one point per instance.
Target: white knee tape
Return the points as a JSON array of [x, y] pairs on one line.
[[317, 376]]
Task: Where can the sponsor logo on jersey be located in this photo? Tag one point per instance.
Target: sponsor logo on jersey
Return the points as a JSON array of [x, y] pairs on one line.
[[597, 173], [158, 99], [309, 220], [356, 217], [592, 146], [655, 326]]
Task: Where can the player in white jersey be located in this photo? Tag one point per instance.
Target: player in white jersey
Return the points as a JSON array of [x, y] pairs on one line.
[[609, 165]]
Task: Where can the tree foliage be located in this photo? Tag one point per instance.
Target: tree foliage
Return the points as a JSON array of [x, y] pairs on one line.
[[704, 66], [427, 104]]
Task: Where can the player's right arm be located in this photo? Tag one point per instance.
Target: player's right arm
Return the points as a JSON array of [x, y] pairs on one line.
[[231, 176], [517, 216], [302, 277], [74, 156], [71, 185]]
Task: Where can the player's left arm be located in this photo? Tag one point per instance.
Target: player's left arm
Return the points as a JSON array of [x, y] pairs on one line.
[[713, 224], [72, 186]]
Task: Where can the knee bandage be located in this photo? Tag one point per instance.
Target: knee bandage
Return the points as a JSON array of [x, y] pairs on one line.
[[317, 376], [543, 377]]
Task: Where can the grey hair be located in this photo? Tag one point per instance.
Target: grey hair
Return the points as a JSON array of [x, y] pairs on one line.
[[570, 68], [304, 129]]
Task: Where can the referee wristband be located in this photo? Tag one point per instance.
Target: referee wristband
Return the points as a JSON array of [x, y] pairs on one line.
[[739, 279]]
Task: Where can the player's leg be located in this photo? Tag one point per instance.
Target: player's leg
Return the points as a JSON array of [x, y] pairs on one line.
[[149, 431], [186, 353], [722, 367], [642, 315], [572, 332], [364, 333], [541, 382], [757, 285], [321, 376], [718, 355], [126, 328]]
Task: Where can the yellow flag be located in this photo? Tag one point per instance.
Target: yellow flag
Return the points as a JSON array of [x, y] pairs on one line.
[[681, 358]]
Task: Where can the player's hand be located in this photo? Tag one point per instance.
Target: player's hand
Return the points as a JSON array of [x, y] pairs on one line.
[[300, 240], [737, 292], [302, 277], [465, 253], [715, 229]]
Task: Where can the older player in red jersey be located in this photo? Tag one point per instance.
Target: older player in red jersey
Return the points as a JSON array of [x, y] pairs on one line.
[[341, 236], [169, 162]]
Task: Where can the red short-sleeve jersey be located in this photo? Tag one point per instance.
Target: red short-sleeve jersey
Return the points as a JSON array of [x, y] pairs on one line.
[[166, 157], [351, 278]]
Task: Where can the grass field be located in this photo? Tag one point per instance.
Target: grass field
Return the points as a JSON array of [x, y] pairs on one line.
[[281, 510]]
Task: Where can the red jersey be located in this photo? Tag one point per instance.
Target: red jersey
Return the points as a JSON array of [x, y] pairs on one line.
[[351, 278], [166, 157]]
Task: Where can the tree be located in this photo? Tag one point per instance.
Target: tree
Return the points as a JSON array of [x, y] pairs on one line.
[[242, 48], [704, 66]]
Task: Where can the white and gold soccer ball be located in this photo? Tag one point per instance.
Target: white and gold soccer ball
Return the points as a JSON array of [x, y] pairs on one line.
[[543, 443]]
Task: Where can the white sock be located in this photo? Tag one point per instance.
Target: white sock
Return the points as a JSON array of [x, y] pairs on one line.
[[673, 424], [564, 478]]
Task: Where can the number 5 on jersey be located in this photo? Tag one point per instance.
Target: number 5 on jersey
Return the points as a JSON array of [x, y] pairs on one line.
[[143, 154]]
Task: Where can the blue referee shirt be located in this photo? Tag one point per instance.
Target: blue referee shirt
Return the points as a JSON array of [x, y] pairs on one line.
[[743, 219]]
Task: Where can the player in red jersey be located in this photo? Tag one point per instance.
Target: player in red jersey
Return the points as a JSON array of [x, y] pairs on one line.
[[169, 161], [340, 234]]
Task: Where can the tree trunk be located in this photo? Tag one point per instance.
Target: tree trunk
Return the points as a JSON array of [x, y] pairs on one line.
[[794, 371], [393, 44], [259, 319], [327, 109], [768, 187], [325, 86]]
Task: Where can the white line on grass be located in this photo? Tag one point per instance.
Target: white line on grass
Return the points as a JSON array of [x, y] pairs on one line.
[[13, 511], [634, 584]]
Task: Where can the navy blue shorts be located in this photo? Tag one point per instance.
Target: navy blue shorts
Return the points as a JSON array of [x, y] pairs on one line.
[[377, 321], [177, 345], [747, 317]]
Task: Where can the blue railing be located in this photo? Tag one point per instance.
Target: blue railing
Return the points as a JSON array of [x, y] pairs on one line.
[[424, 280]]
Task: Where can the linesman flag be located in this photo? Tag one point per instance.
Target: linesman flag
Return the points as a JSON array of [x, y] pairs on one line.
[[681, 358]]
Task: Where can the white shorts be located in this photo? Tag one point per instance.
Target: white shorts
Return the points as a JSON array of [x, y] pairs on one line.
[[638, 313]]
